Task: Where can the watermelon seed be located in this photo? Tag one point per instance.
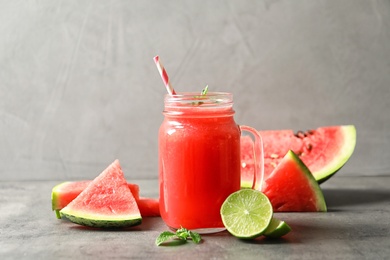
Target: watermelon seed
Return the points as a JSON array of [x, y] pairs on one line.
[[300, 134], [310, 132]]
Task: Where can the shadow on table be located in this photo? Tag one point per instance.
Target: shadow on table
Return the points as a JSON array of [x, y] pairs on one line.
[[336, 198]]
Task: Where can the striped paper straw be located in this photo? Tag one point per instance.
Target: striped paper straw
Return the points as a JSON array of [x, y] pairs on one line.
[[164, 76]]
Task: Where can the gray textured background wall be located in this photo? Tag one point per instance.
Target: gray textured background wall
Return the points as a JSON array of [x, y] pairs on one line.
[[78, 86]]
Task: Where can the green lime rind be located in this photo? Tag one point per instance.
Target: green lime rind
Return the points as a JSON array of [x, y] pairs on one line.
[[341, 158], [246, 213], [99, 222], [277, 228]]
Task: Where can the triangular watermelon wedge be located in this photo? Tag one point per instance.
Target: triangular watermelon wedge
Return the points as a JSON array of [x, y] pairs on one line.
[[292, 188], [107, 202], [62, 194]]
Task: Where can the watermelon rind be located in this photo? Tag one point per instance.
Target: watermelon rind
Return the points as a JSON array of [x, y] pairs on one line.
[[58, 214], [339, 160], [97, 221], [54, 195], [55, 198]]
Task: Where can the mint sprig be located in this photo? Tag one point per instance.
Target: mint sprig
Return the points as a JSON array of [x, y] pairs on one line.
[[181, 235], [205, 90], [202, 94]]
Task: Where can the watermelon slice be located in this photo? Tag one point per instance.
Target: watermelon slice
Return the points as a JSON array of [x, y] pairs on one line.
[[62, 194], [292, 188], [149, 207], [106, 202], [323, 150]]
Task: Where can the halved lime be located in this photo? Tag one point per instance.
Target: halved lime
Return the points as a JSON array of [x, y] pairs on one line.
[[246, 213], [277, 228]]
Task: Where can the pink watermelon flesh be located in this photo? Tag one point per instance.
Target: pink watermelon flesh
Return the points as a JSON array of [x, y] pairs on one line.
[[149, 207], [63, 193], [292, 188], [106, 202], [323, 150]]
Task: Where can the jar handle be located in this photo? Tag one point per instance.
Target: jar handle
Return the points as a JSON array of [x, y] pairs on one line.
[[258, 157]]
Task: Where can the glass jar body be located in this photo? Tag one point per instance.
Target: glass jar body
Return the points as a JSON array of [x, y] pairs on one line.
[[199, 163]]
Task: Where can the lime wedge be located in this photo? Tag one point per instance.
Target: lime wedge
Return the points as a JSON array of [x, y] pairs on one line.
[[277, 228], [246, 213]]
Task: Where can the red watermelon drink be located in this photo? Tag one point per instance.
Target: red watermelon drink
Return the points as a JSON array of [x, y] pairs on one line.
[[199, 159]]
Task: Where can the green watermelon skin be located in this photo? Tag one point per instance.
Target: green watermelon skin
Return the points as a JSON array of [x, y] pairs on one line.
[[292, 188], [324, 150], [102, 223], [106, 202]]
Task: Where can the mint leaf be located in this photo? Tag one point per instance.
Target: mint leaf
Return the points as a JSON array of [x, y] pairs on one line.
[[202, 94], [182, 234], [195, 237], [205, 90], [164, 236]]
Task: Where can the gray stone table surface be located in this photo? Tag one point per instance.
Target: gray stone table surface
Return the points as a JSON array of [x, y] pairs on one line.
[[356, 226]]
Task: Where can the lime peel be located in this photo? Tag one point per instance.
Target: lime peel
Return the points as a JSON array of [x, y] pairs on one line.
[[277, 228]]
